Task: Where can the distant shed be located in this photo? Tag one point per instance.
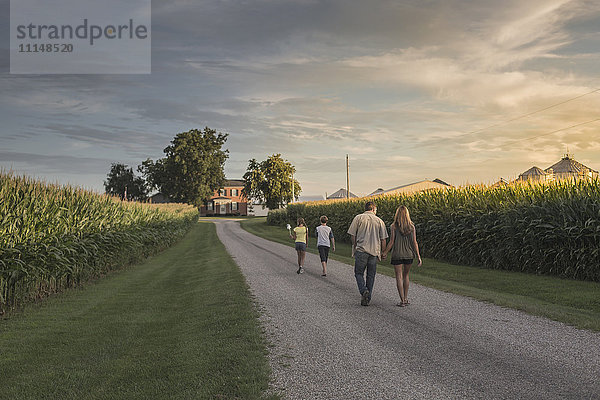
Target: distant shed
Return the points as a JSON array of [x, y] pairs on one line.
[[159, 198], [340, 194]]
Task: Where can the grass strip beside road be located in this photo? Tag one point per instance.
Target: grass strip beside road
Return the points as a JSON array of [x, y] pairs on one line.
[[182, 325], [573, 302]]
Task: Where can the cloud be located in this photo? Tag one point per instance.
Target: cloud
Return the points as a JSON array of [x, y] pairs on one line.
[[408, 84], [138, 143], [54, 164]]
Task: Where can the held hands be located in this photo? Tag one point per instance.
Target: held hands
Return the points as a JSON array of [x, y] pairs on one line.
[[384, 255]]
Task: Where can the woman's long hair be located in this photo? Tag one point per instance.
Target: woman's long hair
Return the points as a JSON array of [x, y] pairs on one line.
[[300, 221], [402, 220]]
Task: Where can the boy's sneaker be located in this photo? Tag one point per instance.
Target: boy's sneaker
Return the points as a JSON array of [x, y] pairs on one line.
[[364, 301], [299, 270]]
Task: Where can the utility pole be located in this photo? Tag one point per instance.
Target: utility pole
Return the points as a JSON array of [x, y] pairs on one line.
[[347, 177], [293, 194]]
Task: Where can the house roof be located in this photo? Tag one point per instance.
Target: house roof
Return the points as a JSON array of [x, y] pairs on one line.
[[413, 184], [340, 194], [221, 200], [569, 165], [234, 182], [417, 187], [534, 171], [441, 182], [376, 192], [501, 182]]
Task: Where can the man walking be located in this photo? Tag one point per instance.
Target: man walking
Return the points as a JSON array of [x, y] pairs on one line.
[[369, 236]]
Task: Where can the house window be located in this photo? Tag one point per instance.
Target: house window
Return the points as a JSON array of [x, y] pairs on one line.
[[234, 206], [221, 192], [234, 192], [209, 206]]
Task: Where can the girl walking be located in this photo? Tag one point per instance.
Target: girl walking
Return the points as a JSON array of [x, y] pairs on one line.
[[404, 247], [299, 235]]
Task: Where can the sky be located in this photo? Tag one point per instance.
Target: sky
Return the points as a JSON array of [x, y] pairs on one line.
[[464, 91]]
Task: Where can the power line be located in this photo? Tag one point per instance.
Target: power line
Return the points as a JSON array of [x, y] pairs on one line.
[[514, 119], [550, 133], [509, 143], [535, 112]]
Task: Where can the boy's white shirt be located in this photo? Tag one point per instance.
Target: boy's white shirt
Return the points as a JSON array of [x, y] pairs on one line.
[[323, 235]]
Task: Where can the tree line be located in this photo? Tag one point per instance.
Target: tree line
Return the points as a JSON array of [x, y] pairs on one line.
[[193, 169]]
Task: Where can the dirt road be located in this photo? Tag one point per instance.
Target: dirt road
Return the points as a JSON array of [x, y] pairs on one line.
[[442, 346]]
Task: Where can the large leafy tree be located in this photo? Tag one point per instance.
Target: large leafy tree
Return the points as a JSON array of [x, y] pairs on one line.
[[192, 168], [271, 182], [122, 182]]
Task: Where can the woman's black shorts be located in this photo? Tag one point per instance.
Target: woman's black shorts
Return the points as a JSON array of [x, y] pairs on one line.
[[300, 246], [402, 261], [324, 253]]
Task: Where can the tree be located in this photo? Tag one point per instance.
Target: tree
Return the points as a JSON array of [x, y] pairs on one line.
[[123, 183], [271, 182], [192, 169]]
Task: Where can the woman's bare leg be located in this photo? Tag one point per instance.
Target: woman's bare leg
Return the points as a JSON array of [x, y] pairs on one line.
[[302, 256], [406, 281], [399, 283], [299, 258]]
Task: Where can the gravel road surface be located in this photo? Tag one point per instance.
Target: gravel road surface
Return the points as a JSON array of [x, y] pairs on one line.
[[325, 345]]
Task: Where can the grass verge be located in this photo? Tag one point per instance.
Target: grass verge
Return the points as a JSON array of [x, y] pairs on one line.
[[180, 326], [573, 302]]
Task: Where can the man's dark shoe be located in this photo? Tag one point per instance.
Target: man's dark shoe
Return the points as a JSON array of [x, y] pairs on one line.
[[364, 301]]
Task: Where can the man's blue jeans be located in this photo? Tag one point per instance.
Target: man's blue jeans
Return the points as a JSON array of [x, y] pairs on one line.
[[362, 261]]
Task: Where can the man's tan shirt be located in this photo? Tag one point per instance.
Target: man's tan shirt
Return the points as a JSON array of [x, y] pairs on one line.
[[369, 230]]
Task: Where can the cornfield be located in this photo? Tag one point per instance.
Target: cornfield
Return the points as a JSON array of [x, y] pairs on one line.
[[551, 228], [53, 237]]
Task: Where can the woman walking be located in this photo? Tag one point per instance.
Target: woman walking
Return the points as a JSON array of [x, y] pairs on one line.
[[299, 235], [404, 247]]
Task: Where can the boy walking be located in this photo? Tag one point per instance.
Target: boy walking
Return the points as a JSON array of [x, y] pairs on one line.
[[325, 240]]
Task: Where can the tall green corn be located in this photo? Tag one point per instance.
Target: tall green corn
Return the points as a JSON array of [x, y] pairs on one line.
[[550, 228], [54, 237]]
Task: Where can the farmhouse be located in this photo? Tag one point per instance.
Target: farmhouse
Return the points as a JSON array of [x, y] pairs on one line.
[[227, 201]]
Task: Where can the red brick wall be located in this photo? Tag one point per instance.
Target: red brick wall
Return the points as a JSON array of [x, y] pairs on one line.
[[239, 198]]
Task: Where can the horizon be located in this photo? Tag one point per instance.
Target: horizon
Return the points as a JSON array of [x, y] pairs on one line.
[[304, 198]]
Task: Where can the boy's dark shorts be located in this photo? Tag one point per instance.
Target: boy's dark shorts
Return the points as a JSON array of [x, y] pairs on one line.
[[324, 253], [402, 261], [300, 246]]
